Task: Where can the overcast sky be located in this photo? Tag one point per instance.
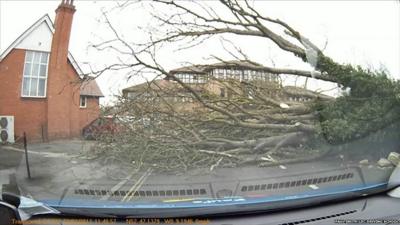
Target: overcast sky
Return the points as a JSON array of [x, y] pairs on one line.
[[358, 32]]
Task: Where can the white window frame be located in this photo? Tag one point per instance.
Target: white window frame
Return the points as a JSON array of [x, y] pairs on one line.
[[30, 76], [80, 102]]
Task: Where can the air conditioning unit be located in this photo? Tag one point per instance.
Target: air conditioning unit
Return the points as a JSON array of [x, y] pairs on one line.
[[6, 129]]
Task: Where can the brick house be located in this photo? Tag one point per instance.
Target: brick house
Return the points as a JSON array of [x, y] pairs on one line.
[[214, 79], [40, 82]]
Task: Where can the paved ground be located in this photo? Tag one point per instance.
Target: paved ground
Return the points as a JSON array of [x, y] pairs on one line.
[[46, 160], [9, 159]]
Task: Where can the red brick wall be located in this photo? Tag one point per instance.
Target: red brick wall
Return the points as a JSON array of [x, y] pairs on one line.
[[90, 113], [31, 113], [62, 94], [58, 115]]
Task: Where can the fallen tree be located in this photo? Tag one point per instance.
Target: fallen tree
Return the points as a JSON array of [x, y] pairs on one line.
[[254, 125]]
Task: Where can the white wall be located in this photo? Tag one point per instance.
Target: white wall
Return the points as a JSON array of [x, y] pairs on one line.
[[39, 40]]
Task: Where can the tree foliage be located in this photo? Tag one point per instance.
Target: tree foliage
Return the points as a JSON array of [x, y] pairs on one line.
[[252, 126]]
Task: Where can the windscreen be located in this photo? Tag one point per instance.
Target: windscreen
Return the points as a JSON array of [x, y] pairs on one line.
[[191, 105]]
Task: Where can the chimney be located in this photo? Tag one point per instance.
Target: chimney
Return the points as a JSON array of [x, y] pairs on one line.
[[63, 24], [59, 99]]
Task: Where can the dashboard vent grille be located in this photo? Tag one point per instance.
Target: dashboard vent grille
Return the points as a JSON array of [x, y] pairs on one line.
[[319, 218], [142, 193], [296, 183]]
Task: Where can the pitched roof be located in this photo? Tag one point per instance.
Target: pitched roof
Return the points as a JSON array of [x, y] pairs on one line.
[[299, 91], [158, 84], [90, 88], [46, 20], [191, 69], [154, 84], [223, 64]]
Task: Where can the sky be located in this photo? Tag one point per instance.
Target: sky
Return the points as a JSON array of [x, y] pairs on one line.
[[358, 32]]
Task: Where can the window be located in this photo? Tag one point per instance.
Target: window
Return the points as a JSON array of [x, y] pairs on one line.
[[189, 78], [219, 73], [250, 94], [35, 74], [222, 92], [246, 75], [202, 79], [267, 77], [83, 102], [186, 78]]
